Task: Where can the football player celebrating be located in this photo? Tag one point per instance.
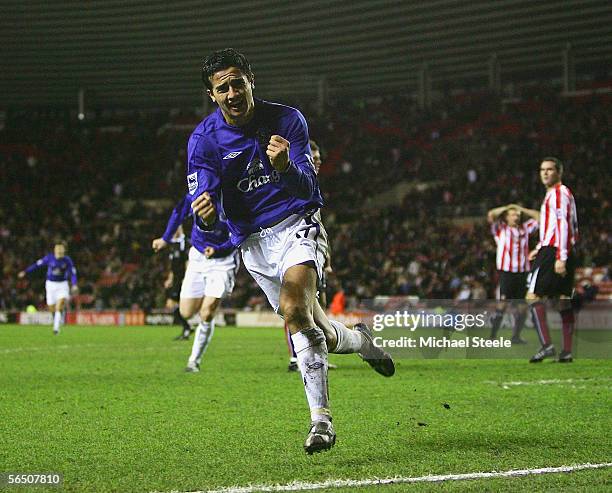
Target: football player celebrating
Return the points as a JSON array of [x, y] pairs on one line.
[[60, 268], [249, 162]]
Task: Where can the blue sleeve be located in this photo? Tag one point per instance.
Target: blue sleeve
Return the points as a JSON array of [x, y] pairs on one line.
[[224, 249], [73, 271], [179, 213], [203, 174], [41, 262], [299, 179]]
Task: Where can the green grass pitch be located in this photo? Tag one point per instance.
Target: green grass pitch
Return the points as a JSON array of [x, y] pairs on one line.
[[112, 409]]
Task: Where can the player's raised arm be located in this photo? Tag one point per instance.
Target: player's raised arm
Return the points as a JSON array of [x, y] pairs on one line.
[[41, 262], [291, 157], [532, 213], [493, 214], [181, 210]]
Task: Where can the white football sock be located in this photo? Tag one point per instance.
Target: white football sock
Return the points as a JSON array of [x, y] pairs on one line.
[[57, 320], [349, 341], [202, 338], [311, 349]]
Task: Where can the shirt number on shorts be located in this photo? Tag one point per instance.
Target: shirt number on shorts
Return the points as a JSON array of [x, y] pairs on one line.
[[311, 230]]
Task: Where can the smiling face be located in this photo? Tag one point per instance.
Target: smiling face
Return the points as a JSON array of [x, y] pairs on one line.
[[233, 92], [549, 174]]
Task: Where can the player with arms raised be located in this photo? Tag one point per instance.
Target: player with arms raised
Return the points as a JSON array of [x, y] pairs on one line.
[[251, 163], [60, 268], [552, 273], [512, 240]]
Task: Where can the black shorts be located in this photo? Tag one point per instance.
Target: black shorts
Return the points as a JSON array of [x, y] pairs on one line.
[[512, 285], [173, 293], [544, 281]]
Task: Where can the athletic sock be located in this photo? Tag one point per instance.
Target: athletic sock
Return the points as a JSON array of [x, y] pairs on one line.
[[292, 355], [519, 323], [311, 349], [349, 341], [57, 320], [538, 313], [201, 340], [496, 321], [568, 324]]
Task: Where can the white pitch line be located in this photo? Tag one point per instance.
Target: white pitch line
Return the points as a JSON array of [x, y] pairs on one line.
[[64, 347], [354, 483], [569, 381], [48, 348]]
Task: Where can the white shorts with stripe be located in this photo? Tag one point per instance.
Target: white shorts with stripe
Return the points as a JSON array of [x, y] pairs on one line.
[[267, 255], [213, 277], [57, 290]]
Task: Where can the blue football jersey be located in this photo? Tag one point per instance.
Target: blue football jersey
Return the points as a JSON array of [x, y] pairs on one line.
[[217, 237], [58, 269], [231, 164]]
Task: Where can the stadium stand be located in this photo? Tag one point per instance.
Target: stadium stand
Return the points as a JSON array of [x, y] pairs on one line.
[[115, 177]]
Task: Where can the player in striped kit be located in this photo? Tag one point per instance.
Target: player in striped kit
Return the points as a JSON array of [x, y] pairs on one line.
[[552, 273], [512, 239], [60, 268]]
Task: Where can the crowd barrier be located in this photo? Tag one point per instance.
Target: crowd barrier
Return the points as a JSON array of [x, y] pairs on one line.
[[597, 315]]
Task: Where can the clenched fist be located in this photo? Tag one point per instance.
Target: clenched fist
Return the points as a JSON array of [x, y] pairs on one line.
[[159, 244], [204, 208], [278, 152]]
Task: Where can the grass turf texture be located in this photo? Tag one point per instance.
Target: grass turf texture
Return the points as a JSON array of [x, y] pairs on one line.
[[112, 409]]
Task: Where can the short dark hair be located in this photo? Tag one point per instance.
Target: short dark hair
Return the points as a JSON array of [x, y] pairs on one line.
[[314, 146], [59, 241], [557, 161], [222, 59]]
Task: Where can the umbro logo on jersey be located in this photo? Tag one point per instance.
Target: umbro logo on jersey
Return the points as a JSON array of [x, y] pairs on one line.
[[232, 155]]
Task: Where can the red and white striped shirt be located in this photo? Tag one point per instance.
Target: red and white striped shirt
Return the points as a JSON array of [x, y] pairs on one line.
[[513, 245], [558, 221]]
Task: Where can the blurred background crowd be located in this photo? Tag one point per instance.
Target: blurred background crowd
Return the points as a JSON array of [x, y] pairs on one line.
[[406, 192]]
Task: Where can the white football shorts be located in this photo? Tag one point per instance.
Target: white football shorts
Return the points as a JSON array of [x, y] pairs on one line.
[[322, 239], [269, 253], [57, 290], [214, 277]]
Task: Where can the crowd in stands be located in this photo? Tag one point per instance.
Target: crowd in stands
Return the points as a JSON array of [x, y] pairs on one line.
[[108, 184]]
